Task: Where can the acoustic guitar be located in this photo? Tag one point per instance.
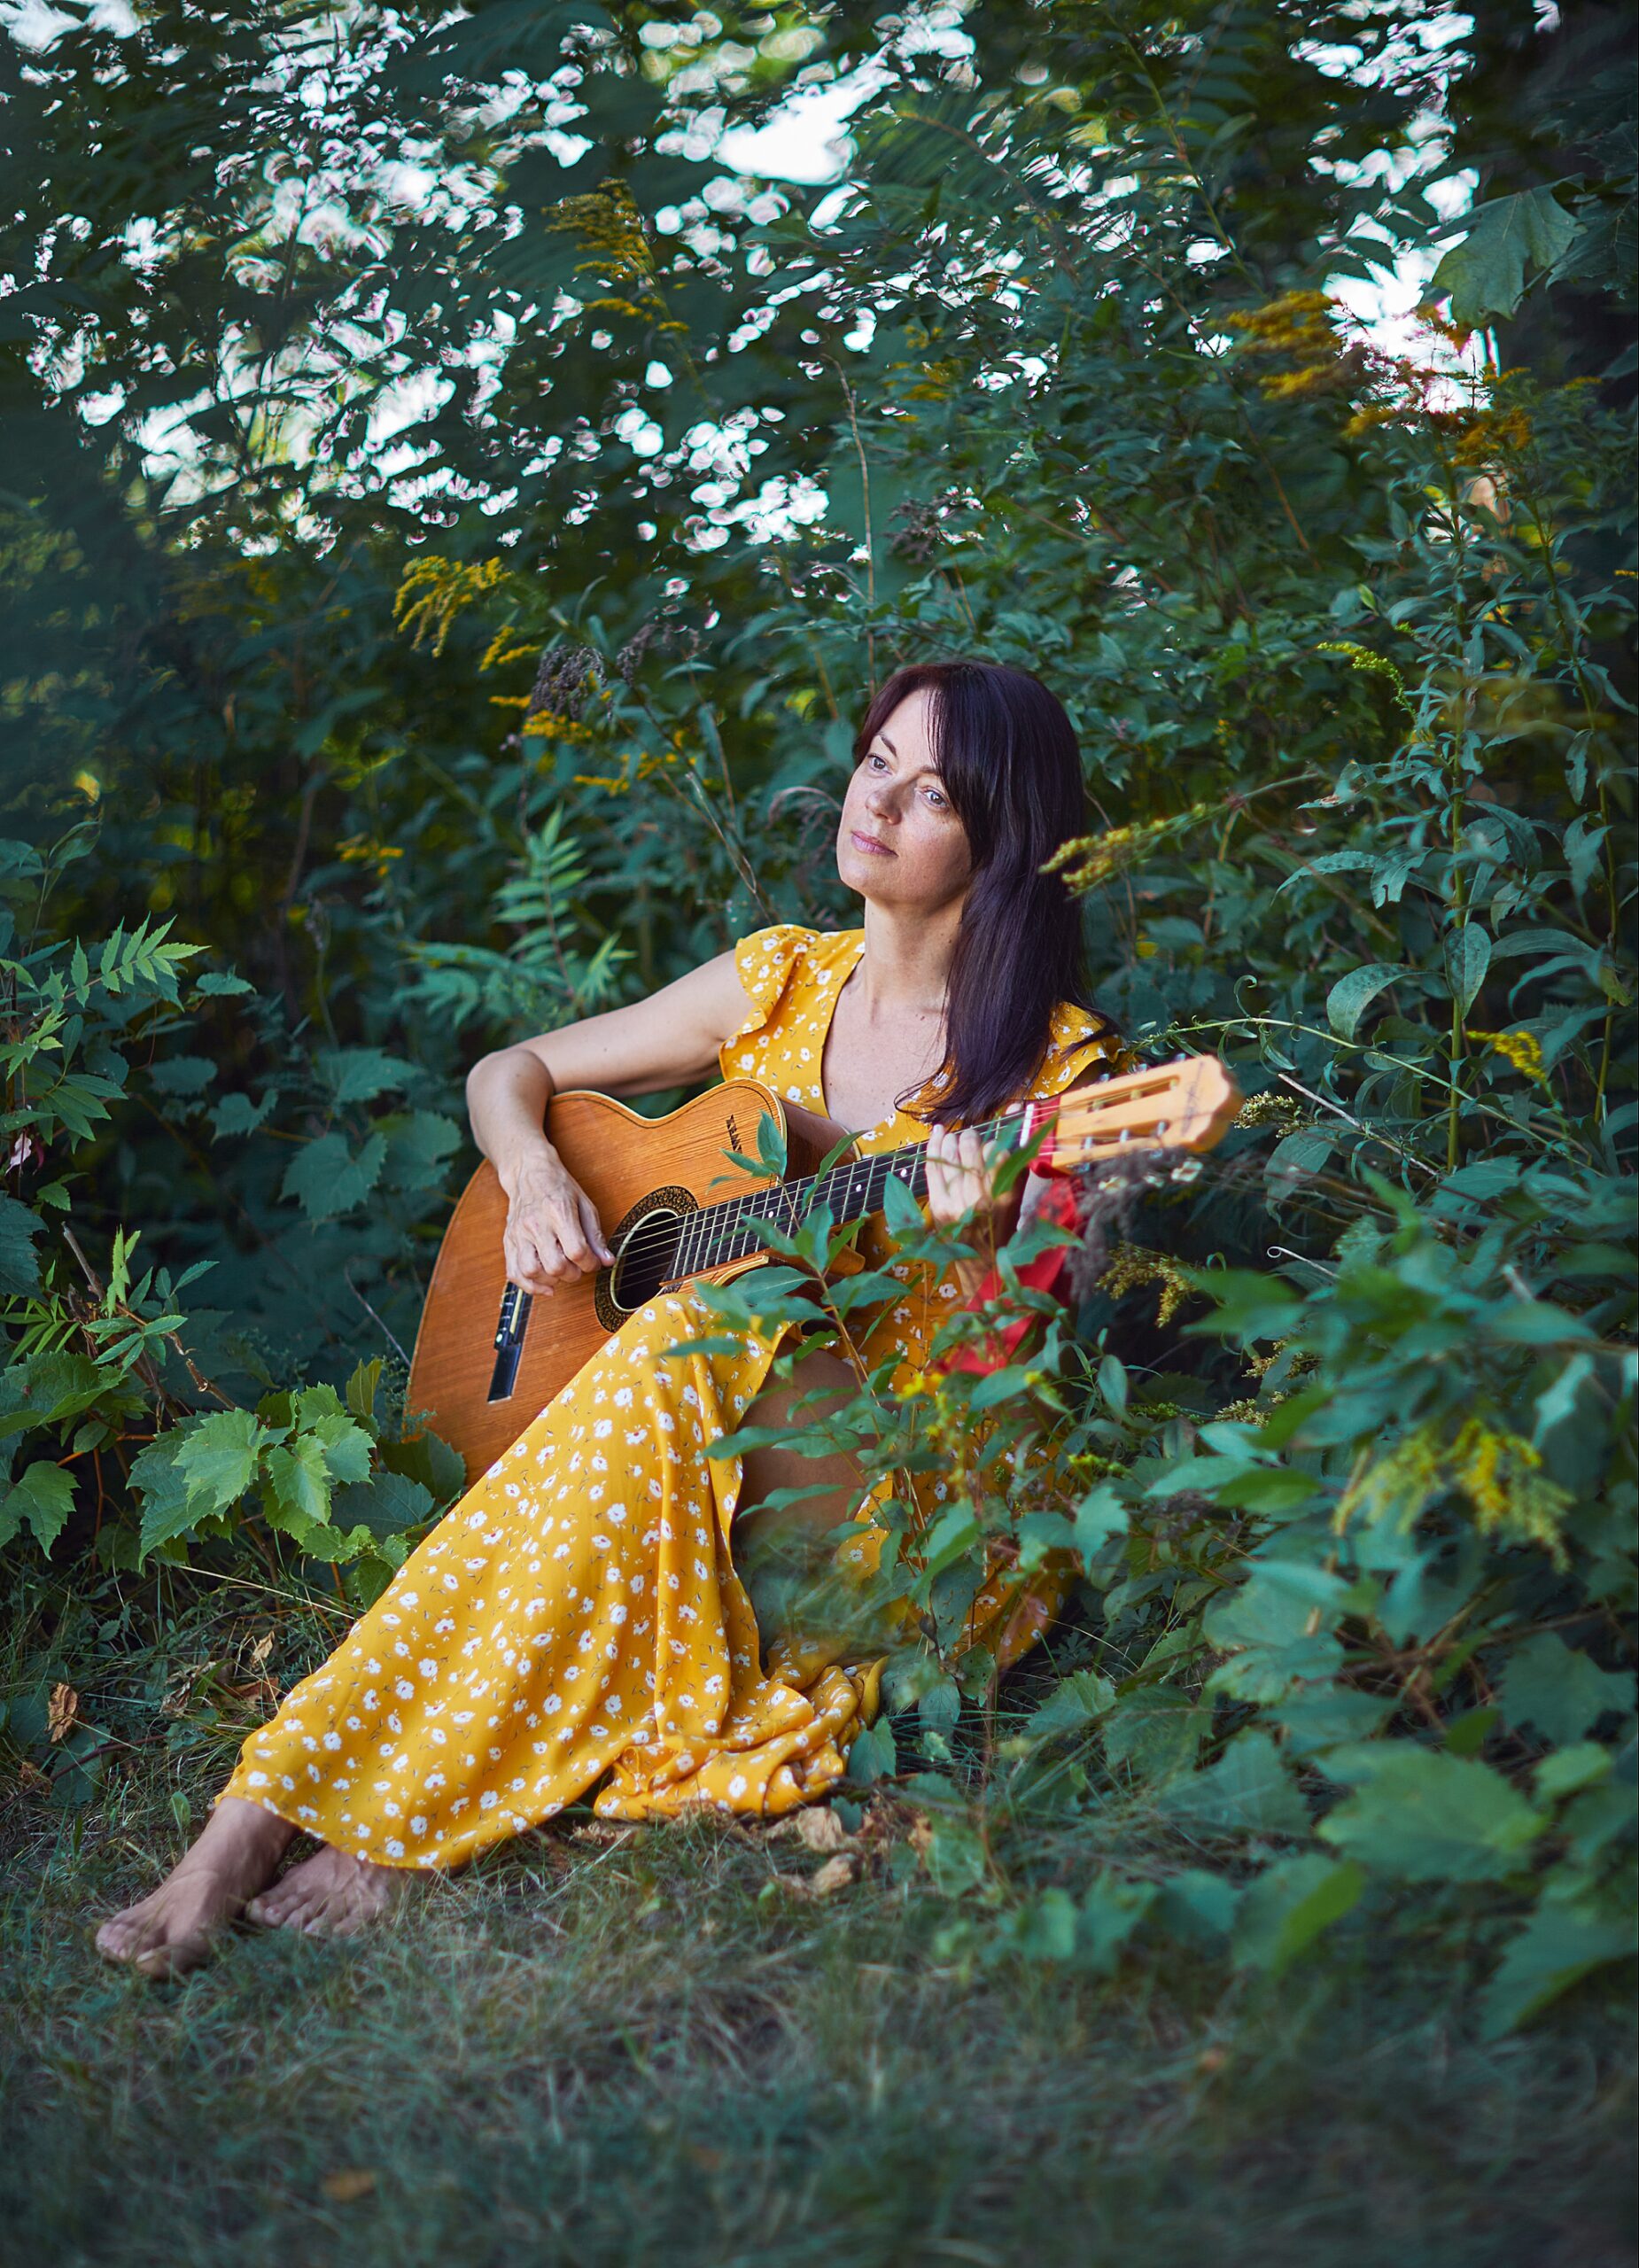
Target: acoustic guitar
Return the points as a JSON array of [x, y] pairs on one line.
[[489, 1357]]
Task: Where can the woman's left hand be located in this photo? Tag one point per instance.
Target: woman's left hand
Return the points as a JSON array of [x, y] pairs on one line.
[[961, 1178]]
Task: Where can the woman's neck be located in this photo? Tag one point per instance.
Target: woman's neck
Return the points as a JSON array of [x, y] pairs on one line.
[[905, 966]]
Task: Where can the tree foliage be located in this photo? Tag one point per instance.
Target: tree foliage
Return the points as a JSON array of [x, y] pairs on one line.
[[455, 524]]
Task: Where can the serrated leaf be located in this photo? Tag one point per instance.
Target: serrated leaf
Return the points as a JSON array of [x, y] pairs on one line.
[[43, 1497], [385, 1504], [19, 1263], [217, 1458], [1558, 1691], [1285, 1908], [298, 1485], [327, 1179], [360, 1073], [217, 982], [1557, 1946], [1423, 1815], [1485, 274], [1247, 1791]]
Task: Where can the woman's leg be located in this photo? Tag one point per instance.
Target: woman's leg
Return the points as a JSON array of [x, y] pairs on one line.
[[171, 1930]]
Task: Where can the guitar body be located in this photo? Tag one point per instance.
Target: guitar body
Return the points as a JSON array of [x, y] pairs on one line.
[[633, 1168], [489, 1358]]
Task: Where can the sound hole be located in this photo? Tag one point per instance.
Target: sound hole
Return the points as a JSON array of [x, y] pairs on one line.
[[645, 1261]]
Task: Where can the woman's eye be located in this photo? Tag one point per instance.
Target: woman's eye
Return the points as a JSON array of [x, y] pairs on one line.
[[934, 797], [880, 761]]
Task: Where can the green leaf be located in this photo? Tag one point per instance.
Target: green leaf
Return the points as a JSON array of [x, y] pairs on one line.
[[1485, 274], [1423, 1815], [19, 1263], [216, 984], [1101, 1515], [1073, 1702], [1110, 1912], [362, 1388], [298, 1485], [1352, 995], [346, 1445], [1468, 956], [1155, 1732], [1559, 1945], [872, 1755], [162, 1490], [1247, 1791], [385, 1504], [1288, 1906], [1559, 1691], [43, 1497], [360, 1073], [218, 1457], [328, 1179]]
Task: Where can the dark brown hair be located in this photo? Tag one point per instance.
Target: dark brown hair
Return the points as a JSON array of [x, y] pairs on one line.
[[1007, 757]]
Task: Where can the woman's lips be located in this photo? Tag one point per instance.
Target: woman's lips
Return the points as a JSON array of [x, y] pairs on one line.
[[869, 844]]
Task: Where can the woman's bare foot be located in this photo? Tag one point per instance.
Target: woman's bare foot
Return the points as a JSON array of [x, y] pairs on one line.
[[328, 1895], [171, 1930]]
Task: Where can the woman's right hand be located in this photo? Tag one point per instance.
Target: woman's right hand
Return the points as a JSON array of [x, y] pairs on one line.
[[553, 1234]]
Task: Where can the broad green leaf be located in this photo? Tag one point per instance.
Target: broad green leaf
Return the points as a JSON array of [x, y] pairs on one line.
[[162, 1489], [1111, 1910], [298, 1484], [1422, 1815], [1352, 995], [217, 1458], [326, 1178], [1247, 1791], [386, 1504], [1556, 1947], [361, 1074], [20, 1263], [1285, 1908], [873, 1756], [1558, 1691], [1073, 1702], [43, 1497], [1101, 1515], [1485, 274]]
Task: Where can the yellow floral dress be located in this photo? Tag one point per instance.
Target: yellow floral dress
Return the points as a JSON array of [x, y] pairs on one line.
[[576, 1618]]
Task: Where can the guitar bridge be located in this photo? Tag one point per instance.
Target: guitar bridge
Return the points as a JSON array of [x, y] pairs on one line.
[[509, 1329]]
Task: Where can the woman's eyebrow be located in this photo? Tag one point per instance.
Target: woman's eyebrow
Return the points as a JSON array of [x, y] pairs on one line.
[[887, 743]]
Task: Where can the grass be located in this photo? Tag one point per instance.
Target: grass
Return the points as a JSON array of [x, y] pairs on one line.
[[648, 2050]]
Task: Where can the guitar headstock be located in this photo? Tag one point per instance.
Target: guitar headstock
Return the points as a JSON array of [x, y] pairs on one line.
[[1188, 1105]]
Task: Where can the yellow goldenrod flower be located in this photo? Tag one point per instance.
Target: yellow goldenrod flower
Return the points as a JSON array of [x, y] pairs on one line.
[[1522, 1049]]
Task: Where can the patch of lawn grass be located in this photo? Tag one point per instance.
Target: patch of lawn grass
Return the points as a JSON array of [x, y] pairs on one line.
[[648, 2051]]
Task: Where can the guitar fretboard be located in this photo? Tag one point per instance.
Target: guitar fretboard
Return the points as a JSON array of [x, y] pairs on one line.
[[851, 1189]]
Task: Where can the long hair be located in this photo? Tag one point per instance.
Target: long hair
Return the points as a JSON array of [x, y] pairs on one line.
[[1007, 757]]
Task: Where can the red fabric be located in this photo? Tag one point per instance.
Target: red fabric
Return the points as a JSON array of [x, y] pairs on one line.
[[1047, 1274]]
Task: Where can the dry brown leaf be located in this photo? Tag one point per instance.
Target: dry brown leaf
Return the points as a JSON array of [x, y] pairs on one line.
[[347, 2186], [30, 1775], [837, 1874], [61, 1712], [260, 1651], [818, 1829]]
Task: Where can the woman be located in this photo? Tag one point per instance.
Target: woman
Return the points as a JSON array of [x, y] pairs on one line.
[[578, 1617]]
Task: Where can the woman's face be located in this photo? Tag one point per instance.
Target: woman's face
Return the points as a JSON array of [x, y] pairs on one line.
[[900, 843]]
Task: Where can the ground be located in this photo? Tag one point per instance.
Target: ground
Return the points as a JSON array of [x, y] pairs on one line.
[[613, 2050]]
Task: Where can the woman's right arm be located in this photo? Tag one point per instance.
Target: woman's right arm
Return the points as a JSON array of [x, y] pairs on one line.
[[553, 1233]]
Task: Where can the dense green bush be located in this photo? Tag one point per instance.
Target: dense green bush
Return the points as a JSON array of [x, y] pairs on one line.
[[460, 525]]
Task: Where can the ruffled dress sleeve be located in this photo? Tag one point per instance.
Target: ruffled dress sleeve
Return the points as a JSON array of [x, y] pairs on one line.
[[768, 964]]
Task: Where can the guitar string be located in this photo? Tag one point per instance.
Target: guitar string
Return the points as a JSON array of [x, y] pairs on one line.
[[729, 1217], [726, 1223]]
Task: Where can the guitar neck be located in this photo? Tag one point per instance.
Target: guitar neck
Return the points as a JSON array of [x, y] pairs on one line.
[[852, 1190]]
